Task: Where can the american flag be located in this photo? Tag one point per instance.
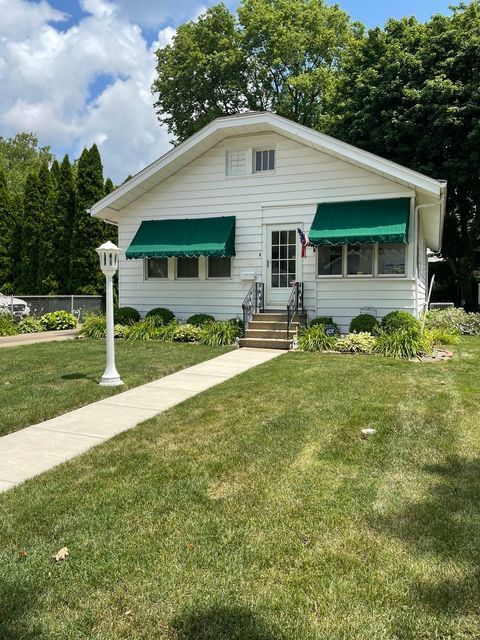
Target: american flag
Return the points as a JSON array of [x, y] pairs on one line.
[[304, 242]]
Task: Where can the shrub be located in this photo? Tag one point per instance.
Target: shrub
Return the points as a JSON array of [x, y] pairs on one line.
[[364, 322], [217, 334], [361, 342], [186, 333], [125, 315], [120, 330], [58, 320], [454, 319], [399, 320], [7, 326], [324, 320], [442, 336], [166, 332], [31, 324], [94, 326], [403, 343], [147, 329], [159, 312], [199, 319], [315, 339], [239, 325]]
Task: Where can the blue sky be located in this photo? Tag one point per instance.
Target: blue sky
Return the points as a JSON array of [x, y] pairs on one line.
[[79, 71]]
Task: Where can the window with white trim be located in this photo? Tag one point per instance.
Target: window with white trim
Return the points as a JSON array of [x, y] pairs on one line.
[[391, 259], [236, 163], [219, 267], [330, 260], [356, 260], [187, 267], [360, 260], [263, 160], [156, 268]]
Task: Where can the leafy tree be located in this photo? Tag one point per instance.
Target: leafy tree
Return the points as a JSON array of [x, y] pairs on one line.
[[6, 224], [64, 215], [410, 93], [31, 229], [88, 232], [20, 156]]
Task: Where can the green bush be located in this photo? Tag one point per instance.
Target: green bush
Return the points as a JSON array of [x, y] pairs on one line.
[[217, 334], [120, 330], [146, 329], [239, 325], [58, 320], [165, 315], [125, 315], [454, 319], [167, 332], [7, 325], [361, 342], [31, 324], [398, 321], [315, 339], [442, 336], [324, 321], [199, 319], [94, 326], [403, 343], [187, 333], [364, 322]]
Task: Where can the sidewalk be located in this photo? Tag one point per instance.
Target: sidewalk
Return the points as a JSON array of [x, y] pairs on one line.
[[35, 338], [33, 450]]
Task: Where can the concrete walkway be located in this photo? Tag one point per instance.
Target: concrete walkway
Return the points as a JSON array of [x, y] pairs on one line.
[[30, 451], [35, 338]]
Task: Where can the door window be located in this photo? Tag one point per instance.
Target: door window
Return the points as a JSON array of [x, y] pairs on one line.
[[283, 258]]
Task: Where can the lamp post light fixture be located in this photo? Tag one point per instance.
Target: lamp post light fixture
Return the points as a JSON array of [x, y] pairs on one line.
[[109, 253]]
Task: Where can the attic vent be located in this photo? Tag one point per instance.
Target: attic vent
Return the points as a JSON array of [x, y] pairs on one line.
[[236, 163]]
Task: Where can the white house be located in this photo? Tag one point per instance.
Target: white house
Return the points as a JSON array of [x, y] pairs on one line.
[[222, 210]]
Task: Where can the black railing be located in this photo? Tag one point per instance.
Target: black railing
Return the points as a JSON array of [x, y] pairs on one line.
[[295, 304], [253, 303]]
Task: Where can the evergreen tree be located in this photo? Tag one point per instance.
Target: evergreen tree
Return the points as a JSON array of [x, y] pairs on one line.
[[55, 173], [47, 282], [6, 224], [29, 253], [16, 203], [88, 232], [64, 214], [109, 186]]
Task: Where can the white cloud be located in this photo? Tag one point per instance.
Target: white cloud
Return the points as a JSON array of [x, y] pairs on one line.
[[46, 75], [153, 13]]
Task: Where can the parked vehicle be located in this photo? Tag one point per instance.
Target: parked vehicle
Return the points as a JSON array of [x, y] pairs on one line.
[[16, 307]]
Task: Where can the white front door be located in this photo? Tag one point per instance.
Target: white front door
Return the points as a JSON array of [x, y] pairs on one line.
[[283, 264]]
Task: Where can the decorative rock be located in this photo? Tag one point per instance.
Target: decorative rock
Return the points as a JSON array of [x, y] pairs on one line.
[[368, 432]]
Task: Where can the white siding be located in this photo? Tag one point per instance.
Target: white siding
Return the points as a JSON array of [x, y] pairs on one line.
[[303, 177]]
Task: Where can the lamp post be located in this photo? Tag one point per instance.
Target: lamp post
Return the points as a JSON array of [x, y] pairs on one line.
[[109, 253]]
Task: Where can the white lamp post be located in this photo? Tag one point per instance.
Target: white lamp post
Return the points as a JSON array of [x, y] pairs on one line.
[[109, 253]]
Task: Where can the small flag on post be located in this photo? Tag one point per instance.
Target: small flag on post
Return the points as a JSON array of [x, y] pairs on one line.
[[304, 242]]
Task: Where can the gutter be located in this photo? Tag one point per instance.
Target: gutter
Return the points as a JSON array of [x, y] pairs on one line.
[[112, 222]]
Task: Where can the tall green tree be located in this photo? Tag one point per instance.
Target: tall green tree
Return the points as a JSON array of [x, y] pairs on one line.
[[47, 282], [278, 55], [109, 186], [64, 214], [411, 93], [31, 230], [6, 228], [88, 232], [20, 156]]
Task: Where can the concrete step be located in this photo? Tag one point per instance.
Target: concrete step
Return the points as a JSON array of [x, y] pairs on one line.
[[266, 333], [265, 343], [277, 317], [275, 326]]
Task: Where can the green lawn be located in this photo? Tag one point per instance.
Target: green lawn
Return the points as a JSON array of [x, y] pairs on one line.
[[41, 381], [256, 511]]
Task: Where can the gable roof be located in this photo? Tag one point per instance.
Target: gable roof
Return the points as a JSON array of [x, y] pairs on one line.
[[262, 122]]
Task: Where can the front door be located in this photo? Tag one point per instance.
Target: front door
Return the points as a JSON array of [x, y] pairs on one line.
[[282, 264]]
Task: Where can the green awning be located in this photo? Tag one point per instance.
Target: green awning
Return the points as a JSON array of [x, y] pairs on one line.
[[361, 222], [191, 237]]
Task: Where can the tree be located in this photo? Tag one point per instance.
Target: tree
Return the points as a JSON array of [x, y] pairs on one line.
[[410, 93], [280, 55], [20, 156], [31, 229], [109, 186], [88, 232], [6, 228], [47, 282], [64, 214]]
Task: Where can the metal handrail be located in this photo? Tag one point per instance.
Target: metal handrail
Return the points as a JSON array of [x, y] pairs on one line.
[[253, 303], [295, 304]]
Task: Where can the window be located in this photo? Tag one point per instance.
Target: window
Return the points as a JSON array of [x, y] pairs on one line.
[[236, 163], [284, 247], [156, 268], [264, 160], [391, 259], [219, 267], [330, 260], [360, 260], [187, 267]]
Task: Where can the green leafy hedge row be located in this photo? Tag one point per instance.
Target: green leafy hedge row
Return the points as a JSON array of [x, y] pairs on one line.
[[54, 321]]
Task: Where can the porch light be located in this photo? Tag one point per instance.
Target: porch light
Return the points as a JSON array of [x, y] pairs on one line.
[[108, 253]]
